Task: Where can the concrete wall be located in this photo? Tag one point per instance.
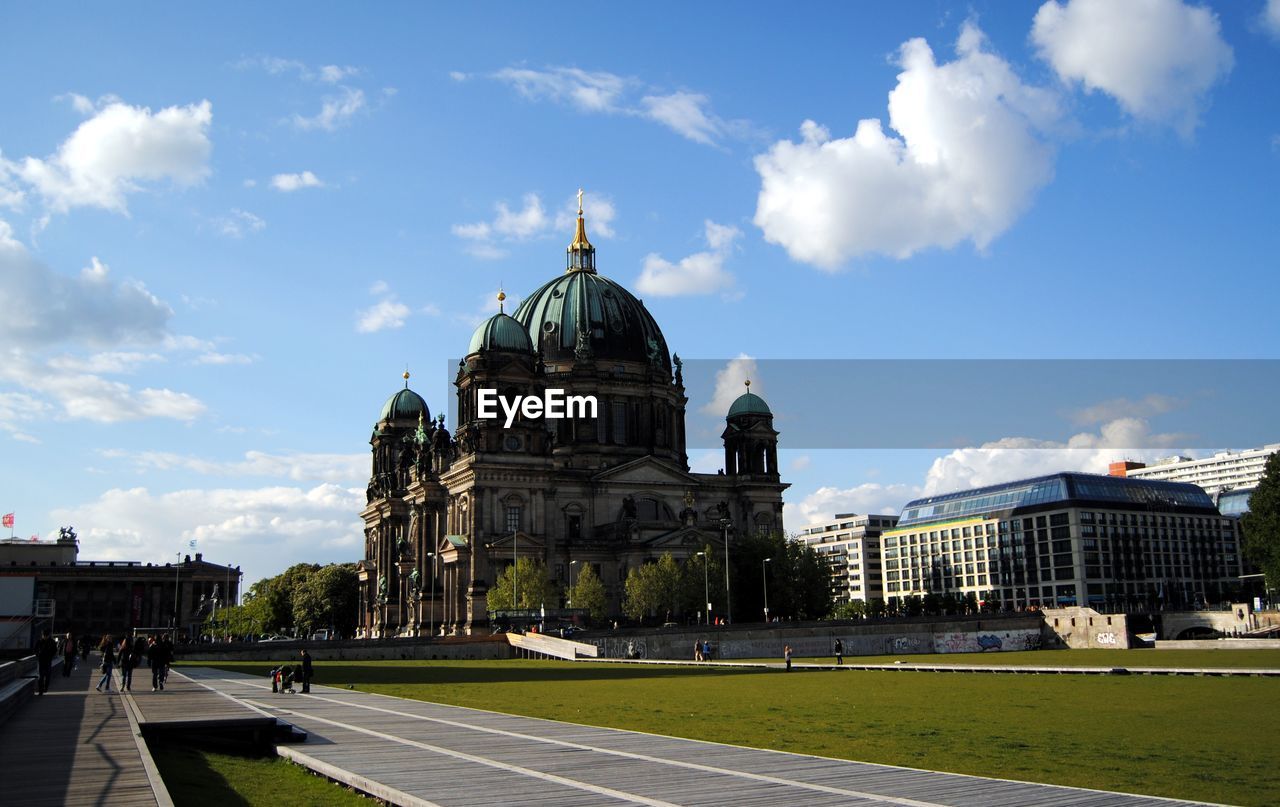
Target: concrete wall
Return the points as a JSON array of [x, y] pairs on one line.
[[1084, 629], [476, 647], [947, 635], [1220, 644], [1173, 623]]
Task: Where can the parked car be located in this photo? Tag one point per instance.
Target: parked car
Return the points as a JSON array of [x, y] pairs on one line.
[[323, 635], [276, 638]]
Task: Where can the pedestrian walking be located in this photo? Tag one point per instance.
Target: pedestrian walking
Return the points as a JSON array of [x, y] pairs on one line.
[[126, 664], [697, 650], [307, 672], [84, 648], [156, 656], [108, 664], [68, 655], [786, 655], [839, 652], [706, 650], [46, 648]]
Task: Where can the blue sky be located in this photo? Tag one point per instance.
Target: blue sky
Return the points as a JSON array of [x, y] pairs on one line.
[[224, 234]]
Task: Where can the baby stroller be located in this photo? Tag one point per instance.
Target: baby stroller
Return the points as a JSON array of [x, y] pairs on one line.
[[282, 679]]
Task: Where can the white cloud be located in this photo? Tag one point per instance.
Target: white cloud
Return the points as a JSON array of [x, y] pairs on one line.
[[238, 222], [484, 238], [216, 358], [800, 463], [288, 183], [699, 273], [111, 362], [1157, 58], [1271, 18], [43, 307], [1020, 457], [335, 111], [263, 530], [968, 161], [685, 113], [731, 382], [16, 409], [383, 315], [109, 155], [869, 497], [332, 73], [344, 469], [1117, 408]]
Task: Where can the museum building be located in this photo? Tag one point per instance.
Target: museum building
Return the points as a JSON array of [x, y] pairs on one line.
[[447, 512]]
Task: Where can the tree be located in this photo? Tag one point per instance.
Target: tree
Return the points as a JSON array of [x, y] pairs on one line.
[[587, 593], [653, 588], [854, 609], [536, 588], [797, 577], [327, 598], [1261, 525]]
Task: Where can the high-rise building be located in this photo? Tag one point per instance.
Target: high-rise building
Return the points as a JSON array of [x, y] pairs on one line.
[[1226, 470], [1065, 539], [851, 545]]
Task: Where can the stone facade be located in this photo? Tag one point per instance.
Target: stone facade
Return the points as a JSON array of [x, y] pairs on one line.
[[448, 511]]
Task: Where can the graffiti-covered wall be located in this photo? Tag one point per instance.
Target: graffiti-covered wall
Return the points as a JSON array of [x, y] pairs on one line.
[[1084, 628], [989, 634]]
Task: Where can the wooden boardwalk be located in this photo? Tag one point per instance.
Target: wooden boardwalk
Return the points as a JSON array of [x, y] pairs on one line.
[[76, 746], [417, 753], [186, 707]]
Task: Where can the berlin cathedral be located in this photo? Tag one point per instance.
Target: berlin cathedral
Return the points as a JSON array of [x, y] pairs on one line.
[[447, 513]]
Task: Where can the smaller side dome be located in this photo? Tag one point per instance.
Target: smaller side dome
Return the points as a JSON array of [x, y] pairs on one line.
[[500, 332], [749, 404], [405, 405]]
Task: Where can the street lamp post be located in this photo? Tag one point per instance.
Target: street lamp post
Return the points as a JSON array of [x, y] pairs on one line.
[[728, 600], [706, 588], [572, 563], [431, 605], [177, 567], [764, 575]]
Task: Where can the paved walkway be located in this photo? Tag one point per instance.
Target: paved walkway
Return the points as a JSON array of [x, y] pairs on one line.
[[417, 753], [72, 746]]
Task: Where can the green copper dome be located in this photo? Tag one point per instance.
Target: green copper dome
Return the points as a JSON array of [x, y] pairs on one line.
[[405, 405], [749, 404], [616, 325], [500, 332]]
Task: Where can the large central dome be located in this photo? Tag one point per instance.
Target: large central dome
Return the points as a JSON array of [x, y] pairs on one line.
[[583, 315], [617, 325]]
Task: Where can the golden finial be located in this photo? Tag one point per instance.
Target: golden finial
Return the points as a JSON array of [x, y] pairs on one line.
[[502, 296], [406, 378], [748, 382]]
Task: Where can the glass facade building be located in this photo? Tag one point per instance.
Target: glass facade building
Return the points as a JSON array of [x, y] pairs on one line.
[[1065, 539]]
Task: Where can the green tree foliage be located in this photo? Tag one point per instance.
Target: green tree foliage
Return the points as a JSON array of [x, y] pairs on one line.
[[854, 609], [702, 580], [587, 592], [302, 598], [535, 587], [1261, 525], [654, 589], [799, 579]]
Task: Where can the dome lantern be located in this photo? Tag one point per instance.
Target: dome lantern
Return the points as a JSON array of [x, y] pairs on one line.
[[580, 256]]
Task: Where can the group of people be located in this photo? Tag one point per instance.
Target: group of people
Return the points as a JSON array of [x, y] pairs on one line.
[[286, 675], [127, 654], [702, 650]]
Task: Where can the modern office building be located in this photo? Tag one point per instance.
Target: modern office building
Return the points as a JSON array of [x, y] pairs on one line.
[[1226, 470], [851, 544], [1065, 539], [98, 597]]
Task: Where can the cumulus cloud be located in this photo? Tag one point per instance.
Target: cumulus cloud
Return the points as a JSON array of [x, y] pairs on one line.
[[1271, 18], [685, 113], [386, 314], [869, 497], [83, 395], [288, 183], [335, 111], [699, 273], [1019, 457], [485, 239], [731, 382], [967, 162], [1117, 408], [345, 469], [115, 152], [44, 307], [18, 409], [263, 530], [1157, 58]]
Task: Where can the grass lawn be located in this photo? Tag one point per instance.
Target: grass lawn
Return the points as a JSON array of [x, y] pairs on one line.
[[1198, 659], [197, 777], [1187, 737]]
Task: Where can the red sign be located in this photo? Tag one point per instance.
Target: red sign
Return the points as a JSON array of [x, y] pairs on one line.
[[135, 606], [7, 521]]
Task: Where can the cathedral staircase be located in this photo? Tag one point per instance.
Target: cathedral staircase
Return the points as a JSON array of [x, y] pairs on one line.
[[539, 645]]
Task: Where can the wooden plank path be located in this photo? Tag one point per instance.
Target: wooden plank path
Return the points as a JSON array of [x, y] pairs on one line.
[[76, 746], [418, 753], [185, 706]]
